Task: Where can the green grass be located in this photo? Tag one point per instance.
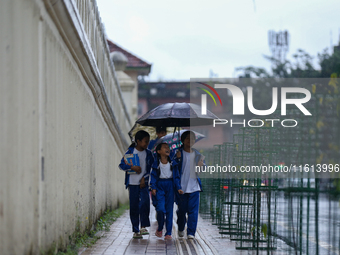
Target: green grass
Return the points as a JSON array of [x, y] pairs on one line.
[[89, 238]]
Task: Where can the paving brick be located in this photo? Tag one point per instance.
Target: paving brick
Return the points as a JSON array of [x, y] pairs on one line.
[[119, 240]]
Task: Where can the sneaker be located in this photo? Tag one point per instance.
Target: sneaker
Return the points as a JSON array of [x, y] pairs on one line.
[[191, 237], [167, 237], [181, 233], [144, 231], [137, 235], [158, 233]]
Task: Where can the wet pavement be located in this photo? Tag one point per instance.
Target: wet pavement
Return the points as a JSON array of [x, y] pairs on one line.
[[119, 240]]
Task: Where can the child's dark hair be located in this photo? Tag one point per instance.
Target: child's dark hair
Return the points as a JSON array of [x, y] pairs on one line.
[[185, 134], [160, 129], [139, 136], [159, 146]]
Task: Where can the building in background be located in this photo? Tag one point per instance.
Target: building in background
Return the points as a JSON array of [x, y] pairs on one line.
[[128, 68], [152, 94]]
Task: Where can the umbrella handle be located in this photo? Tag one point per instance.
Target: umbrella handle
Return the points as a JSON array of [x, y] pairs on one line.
[[179, 139], [178, 133], [173, 135]]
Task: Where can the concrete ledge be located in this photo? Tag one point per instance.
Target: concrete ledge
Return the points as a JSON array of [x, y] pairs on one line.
[[67, 20]]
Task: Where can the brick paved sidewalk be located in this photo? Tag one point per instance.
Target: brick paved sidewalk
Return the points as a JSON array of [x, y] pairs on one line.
[[119, 240]]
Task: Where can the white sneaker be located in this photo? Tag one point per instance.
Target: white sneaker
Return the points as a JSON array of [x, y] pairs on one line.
[[144, 231], [191, 237], [181, 233], [137, 235]]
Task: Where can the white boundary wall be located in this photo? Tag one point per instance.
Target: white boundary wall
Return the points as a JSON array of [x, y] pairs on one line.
[[63, 127]]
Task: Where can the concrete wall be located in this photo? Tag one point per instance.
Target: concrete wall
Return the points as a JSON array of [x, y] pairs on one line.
[[63, 125]]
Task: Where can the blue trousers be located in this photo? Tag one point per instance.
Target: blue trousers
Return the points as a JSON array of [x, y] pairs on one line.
[[139, 207], [188, 203], [165, 204], [154, 201]]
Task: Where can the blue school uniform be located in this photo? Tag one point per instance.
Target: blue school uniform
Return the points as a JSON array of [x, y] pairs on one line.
[[164, 194], [172, 154], [139, 197], [152, 143], [188, 203]]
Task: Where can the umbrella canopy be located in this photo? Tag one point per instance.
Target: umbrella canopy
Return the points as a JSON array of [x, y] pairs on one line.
[[176, 115], [173, 139]]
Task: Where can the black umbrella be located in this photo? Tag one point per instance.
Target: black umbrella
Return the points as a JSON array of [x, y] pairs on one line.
[[176, 115]]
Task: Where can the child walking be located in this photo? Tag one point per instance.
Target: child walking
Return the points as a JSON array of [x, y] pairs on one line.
[[160, 132], [189, 185], [162, 186], [137, 183]]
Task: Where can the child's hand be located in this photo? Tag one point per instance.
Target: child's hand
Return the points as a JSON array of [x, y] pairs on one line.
[[142, 183], [137, 169], [178, 154], [153, 192], [200, 163], [180, 192]]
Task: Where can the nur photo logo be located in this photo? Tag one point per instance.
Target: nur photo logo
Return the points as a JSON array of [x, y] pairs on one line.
[[238, 106], [204, 97]]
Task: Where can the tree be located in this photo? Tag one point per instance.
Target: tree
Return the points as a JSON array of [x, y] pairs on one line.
[[301, 67], [330, 64]]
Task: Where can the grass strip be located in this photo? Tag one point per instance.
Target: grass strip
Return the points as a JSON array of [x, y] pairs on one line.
[[89, 238]]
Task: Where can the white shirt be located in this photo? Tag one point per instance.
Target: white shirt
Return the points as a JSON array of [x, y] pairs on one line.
[[135, 178], [165, 170], [189, 180]]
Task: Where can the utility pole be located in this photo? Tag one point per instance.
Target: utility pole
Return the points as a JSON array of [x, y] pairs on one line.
[[278, 44]]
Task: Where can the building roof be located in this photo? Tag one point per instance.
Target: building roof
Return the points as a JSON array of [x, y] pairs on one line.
[[134, 62]]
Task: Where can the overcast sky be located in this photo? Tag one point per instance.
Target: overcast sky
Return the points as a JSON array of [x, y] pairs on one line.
[[188, 38]]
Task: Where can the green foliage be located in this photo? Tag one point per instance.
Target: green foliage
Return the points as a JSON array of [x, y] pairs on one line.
[[264, 230], [89, 238], [330, 64], [258, 71], [336, 184], [301, 67]]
